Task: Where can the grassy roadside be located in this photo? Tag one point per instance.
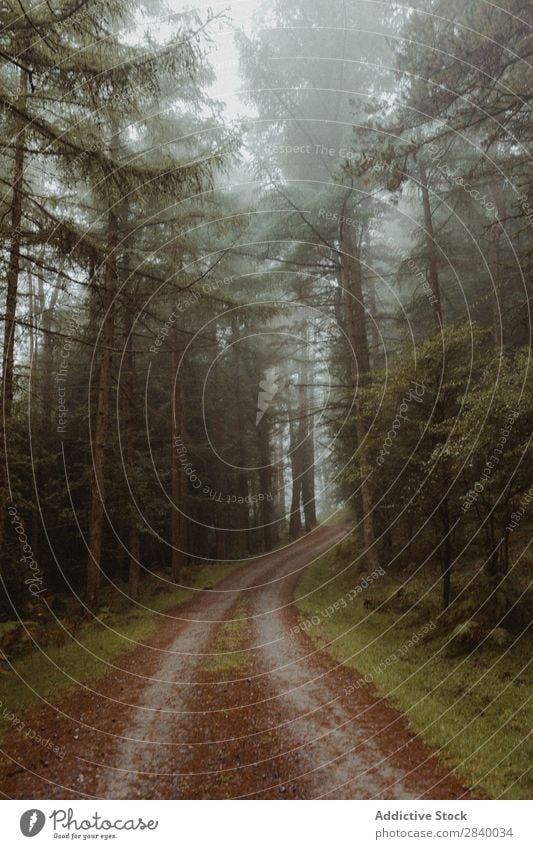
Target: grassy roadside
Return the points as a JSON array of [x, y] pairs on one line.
[[471, 706], [51, 673]]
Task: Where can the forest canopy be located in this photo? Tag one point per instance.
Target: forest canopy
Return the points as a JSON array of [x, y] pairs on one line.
[[222, 327]]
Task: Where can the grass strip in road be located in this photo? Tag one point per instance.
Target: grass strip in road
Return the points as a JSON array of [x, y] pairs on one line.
[[231, 654], [470, 706]]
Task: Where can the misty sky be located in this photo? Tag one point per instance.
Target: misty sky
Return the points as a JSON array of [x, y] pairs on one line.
[[224, 56]]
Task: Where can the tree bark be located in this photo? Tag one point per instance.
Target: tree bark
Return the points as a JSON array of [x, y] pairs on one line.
[[356, 331], [134, 542], [308, 446], [265, 475], [354, 306], [433, 272], [47, 359], [221, 542], [295, 518], [96, 521], [495, 267], [13, 271], [177, 521], [445, 551], [244, 487], [34, 357], [134, 572], [281, 478], [12, 280]]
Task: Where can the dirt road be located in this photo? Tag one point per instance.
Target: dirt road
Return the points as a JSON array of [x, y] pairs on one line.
[[228, 701]]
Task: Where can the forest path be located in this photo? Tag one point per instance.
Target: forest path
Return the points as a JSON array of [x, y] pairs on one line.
[[230, 700]]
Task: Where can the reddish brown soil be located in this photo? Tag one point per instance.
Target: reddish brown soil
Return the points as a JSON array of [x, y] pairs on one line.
[[281, 726]]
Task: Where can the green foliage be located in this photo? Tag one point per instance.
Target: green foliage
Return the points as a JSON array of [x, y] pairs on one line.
[[50, 670], [466, 697], [359, 194]]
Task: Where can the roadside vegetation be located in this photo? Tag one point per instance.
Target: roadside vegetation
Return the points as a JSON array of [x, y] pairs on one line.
[[43, 662], [465, 694]]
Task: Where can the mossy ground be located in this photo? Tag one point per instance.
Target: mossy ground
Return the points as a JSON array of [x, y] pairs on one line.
[[469, 705]]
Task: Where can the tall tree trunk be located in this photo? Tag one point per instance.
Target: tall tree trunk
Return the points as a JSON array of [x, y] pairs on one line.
[[445, 550], [433, 272], [34, 357], [281, 476], [221, 535], [308, 483], [134, 569], [265, 475], [354, 311], [295, 450], [96, 521], [96, 525], [495, 266], [308, 445], [177, 521], [13, 269], [134, 541], [244, 488], [47, 359], [12, 280], [278, 484], [355, 327], [375, 342], [365, 469]]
